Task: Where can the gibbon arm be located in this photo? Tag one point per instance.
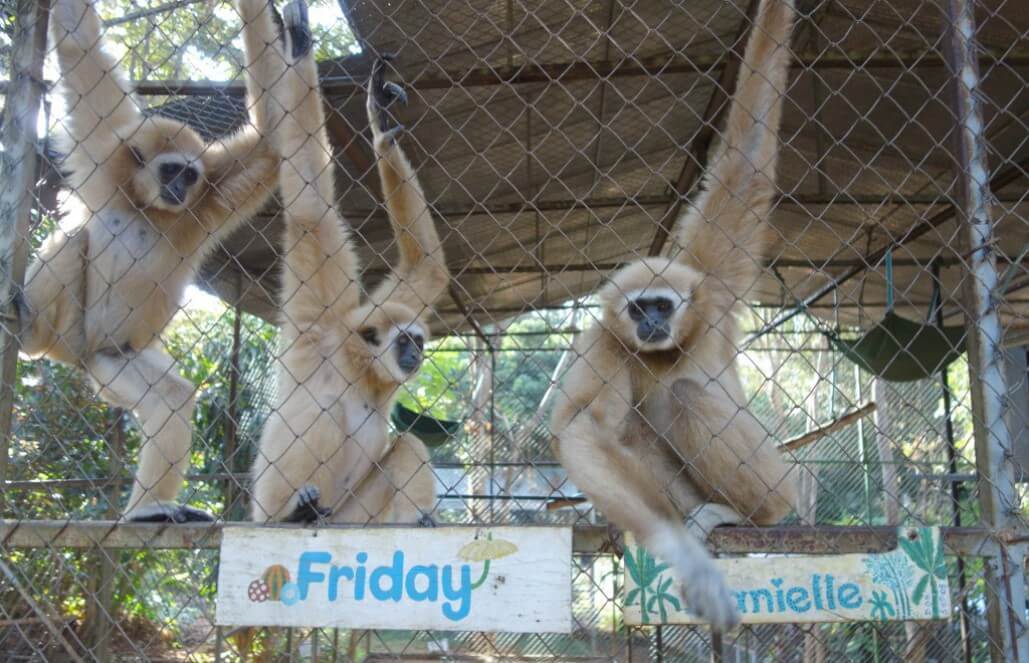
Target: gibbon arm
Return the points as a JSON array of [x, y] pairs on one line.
[[265, 62], [241, 171], [421, 274], [724, 233], [321, 268], [99, 101]]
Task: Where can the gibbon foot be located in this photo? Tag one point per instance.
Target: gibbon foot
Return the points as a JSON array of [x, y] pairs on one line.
[[704, 518], [703, 587], [427, 520], [298, 26], [705, 593], [164, 512], [308, 510]]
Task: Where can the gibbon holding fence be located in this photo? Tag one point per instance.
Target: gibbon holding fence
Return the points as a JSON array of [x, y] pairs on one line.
[[651, 421], [326, 452], [150, 201]]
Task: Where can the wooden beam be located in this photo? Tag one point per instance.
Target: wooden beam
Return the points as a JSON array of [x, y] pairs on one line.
[[802, 441], [1000, 180], [659, 65], [79, 534], [339, 128]]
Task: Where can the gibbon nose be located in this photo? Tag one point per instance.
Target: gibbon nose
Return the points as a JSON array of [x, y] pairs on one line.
[[652, 330], [174, 192]]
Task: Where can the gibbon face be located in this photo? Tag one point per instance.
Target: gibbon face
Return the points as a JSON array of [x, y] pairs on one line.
[[650, 304], [166, 164], [394, 340]]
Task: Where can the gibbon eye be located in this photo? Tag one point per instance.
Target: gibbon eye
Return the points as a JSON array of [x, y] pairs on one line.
[[664, 306], [190, 175], [137, 156], [370, 335], [635, 310], [418, 341]]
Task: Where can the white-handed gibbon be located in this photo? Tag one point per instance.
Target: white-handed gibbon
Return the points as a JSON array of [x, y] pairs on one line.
[[326, 451], [652, 422], [150, 200]]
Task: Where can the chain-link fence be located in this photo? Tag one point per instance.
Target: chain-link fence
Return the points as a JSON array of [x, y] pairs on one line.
[[164, 292]]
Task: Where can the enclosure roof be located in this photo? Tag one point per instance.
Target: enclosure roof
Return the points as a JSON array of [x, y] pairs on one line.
[[550, 143]]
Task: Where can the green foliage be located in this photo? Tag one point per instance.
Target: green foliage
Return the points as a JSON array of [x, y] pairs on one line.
[[201, 41]]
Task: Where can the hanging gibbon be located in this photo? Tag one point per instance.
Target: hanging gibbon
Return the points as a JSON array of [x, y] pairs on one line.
[[150, 200], [326, 450], [652, 422]]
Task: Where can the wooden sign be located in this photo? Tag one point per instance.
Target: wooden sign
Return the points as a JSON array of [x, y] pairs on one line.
[[909, 583], [507, 579]]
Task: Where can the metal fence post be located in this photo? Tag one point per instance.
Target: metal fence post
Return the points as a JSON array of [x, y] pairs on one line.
[[1005, 586], [17, 183]]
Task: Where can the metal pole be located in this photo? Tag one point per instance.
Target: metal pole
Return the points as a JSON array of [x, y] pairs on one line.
[[1004, 574], [230, 450], [957, 488], [17, 184]]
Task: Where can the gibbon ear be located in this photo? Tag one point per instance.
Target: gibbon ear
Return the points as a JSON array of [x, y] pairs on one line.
[[137, 156]]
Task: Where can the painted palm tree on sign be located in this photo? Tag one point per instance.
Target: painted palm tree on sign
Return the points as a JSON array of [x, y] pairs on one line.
[[651, 586], [661, 596], [927, 555]]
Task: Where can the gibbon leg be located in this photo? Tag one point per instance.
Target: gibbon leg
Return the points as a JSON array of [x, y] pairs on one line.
[[672, 476], [732, 460], [400, 489], [146, 383], [620, 482]]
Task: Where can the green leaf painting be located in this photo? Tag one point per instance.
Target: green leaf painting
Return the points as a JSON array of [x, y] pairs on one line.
[[927, 555], [881, 607], [651, 586]]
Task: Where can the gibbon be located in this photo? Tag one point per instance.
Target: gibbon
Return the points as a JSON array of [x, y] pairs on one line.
[[652, 422], [150, 201], [326, 452]]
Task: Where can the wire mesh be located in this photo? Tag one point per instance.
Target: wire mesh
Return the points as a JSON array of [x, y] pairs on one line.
[[556, 143]]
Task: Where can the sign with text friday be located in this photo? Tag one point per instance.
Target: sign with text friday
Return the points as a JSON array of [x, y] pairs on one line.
[[908, 583], [500, 579]]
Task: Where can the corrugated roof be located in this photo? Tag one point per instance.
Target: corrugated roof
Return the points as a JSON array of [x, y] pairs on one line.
[[548, 136]]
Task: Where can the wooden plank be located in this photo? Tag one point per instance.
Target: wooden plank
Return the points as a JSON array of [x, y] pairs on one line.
[[817, 434], [905, 584], [499, 579], [78, 534]]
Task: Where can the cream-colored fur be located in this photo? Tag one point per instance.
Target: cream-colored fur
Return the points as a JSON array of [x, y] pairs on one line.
[[656, 432], [99, 294], [339, 374]]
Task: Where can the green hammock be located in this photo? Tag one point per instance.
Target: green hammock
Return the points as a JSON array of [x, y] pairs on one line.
[[433, 432], [901, 350]]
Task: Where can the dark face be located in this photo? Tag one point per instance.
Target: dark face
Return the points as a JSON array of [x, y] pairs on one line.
[[409, 347], [176, 179], [652, 316]]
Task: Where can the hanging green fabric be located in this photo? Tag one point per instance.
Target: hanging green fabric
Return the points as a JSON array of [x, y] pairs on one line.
[[902, 350], [433, 432]]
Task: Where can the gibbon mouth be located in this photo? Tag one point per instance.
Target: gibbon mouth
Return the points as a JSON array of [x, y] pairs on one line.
[[173, 195], [409, 362], [651, 333]]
